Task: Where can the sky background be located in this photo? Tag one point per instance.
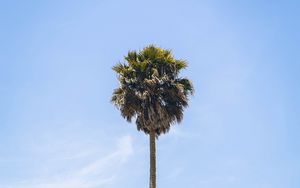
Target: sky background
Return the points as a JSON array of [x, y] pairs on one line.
[[58, 128]]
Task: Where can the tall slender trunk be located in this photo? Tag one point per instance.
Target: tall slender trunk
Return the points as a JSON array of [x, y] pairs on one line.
[[152, 159]]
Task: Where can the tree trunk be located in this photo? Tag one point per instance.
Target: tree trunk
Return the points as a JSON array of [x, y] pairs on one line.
[[152, 159]]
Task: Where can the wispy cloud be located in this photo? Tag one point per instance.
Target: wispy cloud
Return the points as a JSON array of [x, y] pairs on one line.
[[177, 132], [98, 173]]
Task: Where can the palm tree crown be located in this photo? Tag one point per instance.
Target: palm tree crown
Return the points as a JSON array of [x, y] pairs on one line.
[[151, 91]]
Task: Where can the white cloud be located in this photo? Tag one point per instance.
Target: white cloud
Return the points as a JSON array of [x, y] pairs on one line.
[[97, 173]]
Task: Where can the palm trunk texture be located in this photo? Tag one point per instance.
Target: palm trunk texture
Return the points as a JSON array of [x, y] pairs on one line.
[[152, 160]]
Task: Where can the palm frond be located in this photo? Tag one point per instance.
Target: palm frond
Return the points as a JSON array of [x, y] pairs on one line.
[[150, 90]]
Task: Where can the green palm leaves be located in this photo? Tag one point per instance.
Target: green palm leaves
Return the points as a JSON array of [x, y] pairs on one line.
[[151, 91]]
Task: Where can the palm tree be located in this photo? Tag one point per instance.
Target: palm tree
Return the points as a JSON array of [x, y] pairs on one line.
[[152, 93]]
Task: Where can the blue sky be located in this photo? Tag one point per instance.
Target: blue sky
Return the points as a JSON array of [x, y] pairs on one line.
[[59, 130]]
